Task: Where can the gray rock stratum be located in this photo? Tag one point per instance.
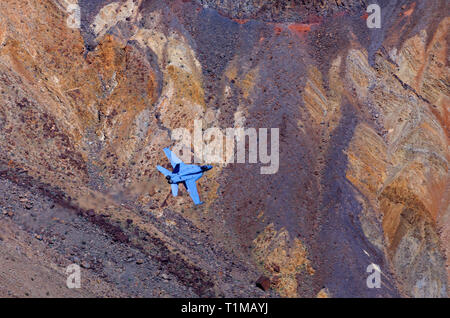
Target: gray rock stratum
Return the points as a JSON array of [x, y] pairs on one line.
[[91, 91]]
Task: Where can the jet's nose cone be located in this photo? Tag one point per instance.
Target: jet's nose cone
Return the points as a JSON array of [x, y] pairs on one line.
[[206, 168]]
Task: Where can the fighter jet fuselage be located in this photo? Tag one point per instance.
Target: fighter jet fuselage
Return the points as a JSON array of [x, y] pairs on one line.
[[190, 172]]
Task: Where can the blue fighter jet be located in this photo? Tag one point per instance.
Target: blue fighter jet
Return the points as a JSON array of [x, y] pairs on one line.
[[183, 173]]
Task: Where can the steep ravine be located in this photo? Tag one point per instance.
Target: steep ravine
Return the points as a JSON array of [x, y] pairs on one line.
[[86, 107]]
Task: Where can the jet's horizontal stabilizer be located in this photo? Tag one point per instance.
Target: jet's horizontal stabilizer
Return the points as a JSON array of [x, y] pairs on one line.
[[174, 189], [163, 170]]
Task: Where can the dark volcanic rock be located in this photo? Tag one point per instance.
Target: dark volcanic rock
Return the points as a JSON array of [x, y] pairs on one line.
[[263, 282]]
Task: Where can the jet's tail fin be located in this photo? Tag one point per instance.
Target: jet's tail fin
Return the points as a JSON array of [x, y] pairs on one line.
[[174, 189], [174, 160]]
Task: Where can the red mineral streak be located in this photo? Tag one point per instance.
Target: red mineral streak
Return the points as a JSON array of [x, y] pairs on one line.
[[300, 27], [278, 29], [339, 14], [410, 11], [241, 21]]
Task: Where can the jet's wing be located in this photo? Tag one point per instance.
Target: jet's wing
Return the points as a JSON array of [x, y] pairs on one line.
[[174, 189], [163, 170], [192, 189], [174, 160]]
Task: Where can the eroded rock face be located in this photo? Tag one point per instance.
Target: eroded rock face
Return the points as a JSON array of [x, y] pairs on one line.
[[91, 91], [283, 11]]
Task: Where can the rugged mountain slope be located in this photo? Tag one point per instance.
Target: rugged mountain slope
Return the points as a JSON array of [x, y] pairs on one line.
[[90, 92]]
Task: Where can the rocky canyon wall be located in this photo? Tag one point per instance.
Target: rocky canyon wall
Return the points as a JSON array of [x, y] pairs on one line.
[[91, 92]]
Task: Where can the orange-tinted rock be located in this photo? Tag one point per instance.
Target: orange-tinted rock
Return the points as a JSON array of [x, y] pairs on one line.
[[363, 118], [263, 282]]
